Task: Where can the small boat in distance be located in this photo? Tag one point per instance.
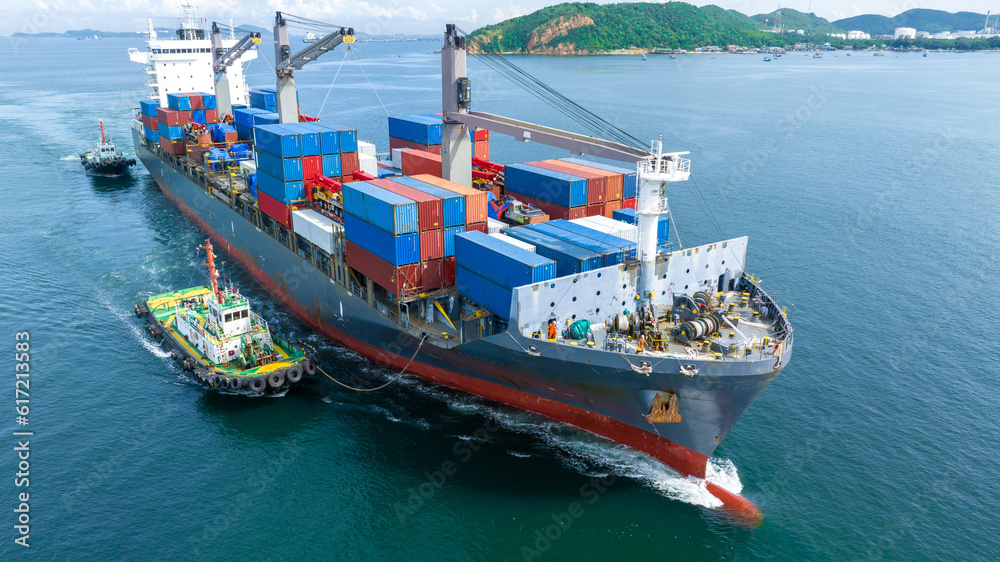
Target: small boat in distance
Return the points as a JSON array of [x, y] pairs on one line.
[[643, 57], [213, 333], [817, 55], [105, 159], [767, 59], [309, 38]]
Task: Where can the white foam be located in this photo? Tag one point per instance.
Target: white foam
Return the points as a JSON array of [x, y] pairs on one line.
[[722, 472]]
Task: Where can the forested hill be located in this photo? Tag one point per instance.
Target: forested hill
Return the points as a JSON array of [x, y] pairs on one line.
[[583, 28], [931, 21], [792, 20]]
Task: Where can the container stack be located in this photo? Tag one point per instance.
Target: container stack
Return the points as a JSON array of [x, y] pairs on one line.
[[150, 126], [382, 230], [431, 223], [243, 121], [279, 171], [454, 216], [170, 123], [558, 194], [621, 229], [476, 204], [265, 99], [367, 158], [184, 109], [628, 179], [415, 162], [662, 228], [487, 270], [423, 132], [615, 249], [570, 257]]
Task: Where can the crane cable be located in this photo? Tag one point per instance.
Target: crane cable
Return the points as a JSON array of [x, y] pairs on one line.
[[330, 89]]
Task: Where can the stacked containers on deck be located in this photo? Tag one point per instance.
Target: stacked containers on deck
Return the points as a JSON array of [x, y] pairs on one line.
[[623, 248], [418, 132], [488, 269], [279, 171], [613, 227], [349, 161], [430, 215], [453, 209], [611, 254], [416, 162], [630, 180], [265, 99], [368, 158], [569, 257], [475, 201], [243, 121], [150, 126], [595, 183], [383, 241], [560, 195], [611, 186], [170, 123], [662, 228]]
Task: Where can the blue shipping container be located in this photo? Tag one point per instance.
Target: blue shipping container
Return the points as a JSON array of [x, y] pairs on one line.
[[392, 213], [175, 132], [329, 138], [662, 228], [630, 181], [484, 293], [261, 97], [278, 140], [416, 128], [621, 245], [180, 102], [244, 133], [610, 255], [286, 192], [570, 258], [151, 134], [198, 116], [449, 239], [209, 101], [503, 263], [285, 169], [148, 107], [244, 116], [453, 203], [348, 139], [331, 165], [308, 138], [554, 187], [397, 250], [265, 118]]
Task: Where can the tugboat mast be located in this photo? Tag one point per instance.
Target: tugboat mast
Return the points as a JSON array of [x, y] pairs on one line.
[[212, 273]]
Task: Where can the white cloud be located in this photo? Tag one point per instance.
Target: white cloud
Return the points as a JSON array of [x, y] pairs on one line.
[[510, 11], [471, 18]]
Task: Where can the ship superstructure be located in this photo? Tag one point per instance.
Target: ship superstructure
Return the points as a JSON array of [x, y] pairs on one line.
[[183, 63], [680, 341]]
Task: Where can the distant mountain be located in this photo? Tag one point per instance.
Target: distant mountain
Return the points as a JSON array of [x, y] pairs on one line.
[[792, 20], [160, 31], [931, 21]]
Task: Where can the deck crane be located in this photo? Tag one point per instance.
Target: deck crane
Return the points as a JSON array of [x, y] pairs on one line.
[[655, 168], [286, 63], [222, 59]]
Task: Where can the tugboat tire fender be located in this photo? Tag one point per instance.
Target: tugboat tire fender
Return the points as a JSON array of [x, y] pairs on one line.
[[276, 379], [258, 384], [294, 374], [174, 355], [310, 367], [235, 383]]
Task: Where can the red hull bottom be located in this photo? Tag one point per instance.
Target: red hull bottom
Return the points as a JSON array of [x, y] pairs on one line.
[[676, 456]]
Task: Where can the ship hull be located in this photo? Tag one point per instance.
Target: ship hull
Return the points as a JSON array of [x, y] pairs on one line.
[[598, 392]]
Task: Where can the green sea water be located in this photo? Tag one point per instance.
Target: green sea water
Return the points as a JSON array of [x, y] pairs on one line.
[[868, 187]]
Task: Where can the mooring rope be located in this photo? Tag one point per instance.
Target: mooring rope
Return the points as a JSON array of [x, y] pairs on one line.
[[422, 340]]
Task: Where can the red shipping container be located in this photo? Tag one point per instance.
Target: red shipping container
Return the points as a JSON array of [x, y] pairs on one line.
[[197, 101], [153, 122], [171, 117], [449, 271], [628, 203], [554, 211], [610, 207], [420, 162], [185, 116], [480, 226], [145, 122], [481, 149], [311, 166], [232, 137], [432, 274], [595, 182], [612, 181], [397, 280], [176, 148], [400, 143], [349, 163], [475, 200], [211, 115], [481, 135], [431, 245], [430, 213], [274, 209], [595, 210]]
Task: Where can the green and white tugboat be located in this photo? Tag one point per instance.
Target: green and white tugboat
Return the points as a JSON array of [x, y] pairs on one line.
[[105, 159], [221, 342]]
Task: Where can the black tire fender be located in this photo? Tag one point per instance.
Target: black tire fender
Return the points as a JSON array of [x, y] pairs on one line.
[[258, 384], [294, 374], [235, 383], [310, 367], [276, 379]]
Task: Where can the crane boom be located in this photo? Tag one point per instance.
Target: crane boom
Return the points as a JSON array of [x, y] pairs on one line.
[[223, 59], [287, 63]]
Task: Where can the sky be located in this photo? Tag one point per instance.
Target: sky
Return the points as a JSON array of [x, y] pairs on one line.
[[383, 16]]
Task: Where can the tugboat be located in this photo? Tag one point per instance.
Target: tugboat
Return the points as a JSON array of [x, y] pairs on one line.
[[213, 333], [105, 159]]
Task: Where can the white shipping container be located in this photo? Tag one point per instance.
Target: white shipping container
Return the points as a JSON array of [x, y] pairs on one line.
[[494, 226], [368, 164], [314, 227], [397, 158], [620, 229], [365, 147], [514, 242]]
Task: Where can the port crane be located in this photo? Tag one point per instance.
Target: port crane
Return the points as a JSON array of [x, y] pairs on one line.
[[287, 63], [223, 59]]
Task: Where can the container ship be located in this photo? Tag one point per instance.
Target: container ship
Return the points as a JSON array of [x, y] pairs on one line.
[[551, 286]]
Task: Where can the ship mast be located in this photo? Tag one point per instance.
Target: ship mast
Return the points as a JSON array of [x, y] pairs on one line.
[[653, 175], [101, 123], [212, 273]]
